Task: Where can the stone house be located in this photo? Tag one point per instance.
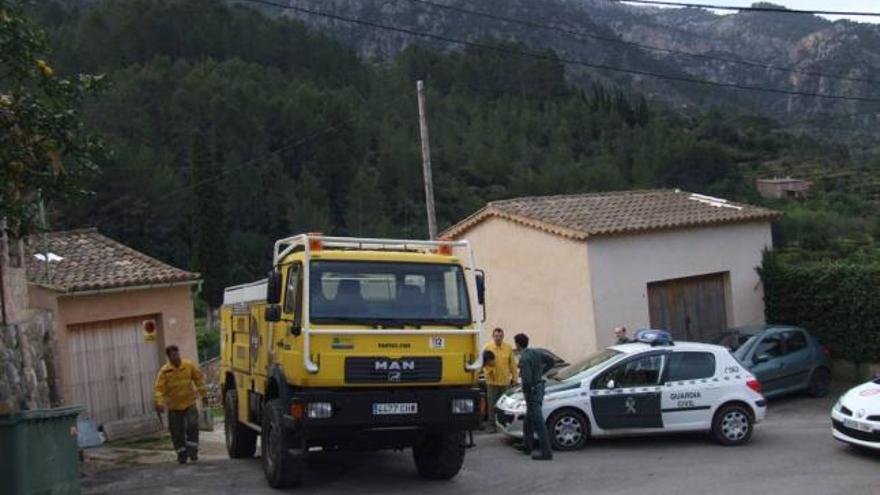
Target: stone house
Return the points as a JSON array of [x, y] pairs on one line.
[[115, 310]]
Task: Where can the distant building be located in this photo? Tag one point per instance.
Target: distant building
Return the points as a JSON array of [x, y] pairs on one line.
[[116, 309], [783, 188], [568, 269]]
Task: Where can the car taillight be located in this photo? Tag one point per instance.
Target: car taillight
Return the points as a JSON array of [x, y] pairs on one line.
[[754, 385]]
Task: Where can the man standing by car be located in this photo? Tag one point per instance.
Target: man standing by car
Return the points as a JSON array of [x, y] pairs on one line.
[[620, 334], [176, 387], [503, 374], [532, 366]]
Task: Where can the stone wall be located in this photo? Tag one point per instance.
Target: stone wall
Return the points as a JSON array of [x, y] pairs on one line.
[[27, 363], [211, 370]]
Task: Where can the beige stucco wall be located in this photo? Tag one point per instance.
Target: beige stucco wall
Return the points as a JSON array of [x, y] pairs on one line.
[[621, 268], [536, 283], [172, 305]]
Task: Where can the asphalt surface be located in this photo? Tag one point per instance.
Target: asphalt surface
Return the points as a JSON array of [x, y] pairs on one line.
[[791, 452]]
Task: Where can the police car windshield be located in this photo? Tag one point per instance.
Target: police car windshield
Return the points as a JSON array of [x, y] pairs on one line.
[[388, 293], [590, 362]]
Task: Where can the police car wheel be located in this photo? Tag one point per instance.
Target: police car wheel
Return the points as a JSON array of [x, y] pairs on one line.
[[732, 425], [568, 429]]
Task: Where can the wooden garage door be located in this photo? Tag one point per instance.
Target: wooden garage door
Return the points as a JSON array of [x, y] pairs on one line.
[[113, 368], [691, 308]]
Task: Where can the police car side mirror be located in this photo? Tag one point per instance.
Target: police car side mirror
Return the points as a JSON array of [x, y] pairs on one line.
[[272, 313], [610, 384]]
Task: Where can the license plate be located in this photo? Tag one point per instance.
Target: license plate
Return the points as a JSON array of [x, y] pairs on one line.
[[395, 408], [856, 425]]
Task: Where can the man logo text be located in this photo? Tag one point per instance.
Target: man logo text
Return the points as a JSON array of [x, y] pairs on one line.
[[394, 365]]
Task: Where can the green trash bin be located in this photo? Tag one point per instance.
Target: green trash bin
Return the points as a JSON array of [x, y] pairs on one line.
[[40, 455]]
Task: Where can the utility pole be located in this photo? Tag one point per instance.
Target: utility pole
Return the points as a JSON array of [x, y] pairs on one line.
[[426, 162], [48, 274]]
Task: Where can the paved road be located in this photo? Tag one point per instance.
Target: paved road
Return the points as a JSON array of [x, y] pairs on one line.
[[792, 452]]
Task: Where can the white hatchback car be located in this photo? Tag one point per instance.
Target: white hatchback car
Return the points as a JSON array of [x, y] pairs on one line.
[[856, 416], [646, 387]]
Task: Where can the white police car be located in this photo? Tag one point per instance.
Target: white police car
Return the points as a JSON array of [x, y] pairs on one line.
[[855, 418], [649, 386]]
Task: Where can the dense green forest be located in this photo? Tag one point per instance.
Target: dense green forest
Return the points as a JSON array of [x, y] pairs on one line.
[[228, 129]]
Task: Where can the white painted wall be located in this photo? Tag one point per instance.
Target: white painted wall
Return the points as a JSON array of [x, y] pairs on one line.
[[535, 284], [621, 267]]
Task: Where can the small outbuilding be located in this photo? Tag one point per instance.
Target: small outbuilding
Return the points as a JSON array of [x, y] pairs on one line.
[[115, 310], [567, 269]]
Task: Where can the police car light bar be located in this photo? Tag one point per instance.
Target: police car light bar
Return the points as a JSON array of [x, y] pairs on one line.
[[654, 337]]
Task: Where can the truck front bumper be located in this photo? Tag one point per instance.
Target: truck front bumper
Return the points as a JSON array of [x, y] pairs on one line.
[[355, 418]]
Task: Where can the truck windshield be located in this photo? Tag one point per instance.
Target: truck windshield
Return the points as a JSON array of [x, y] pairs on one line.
[[388, 293]]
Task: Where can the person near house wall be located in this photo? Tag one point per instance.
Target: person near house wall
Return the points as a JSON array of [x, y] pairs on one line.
[[175, 389], [501, 375], [620, 335]]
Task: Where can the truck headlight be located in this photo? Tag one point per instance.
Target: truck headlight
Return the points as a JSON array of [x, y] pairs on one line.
[[462, 406], [319, 410]]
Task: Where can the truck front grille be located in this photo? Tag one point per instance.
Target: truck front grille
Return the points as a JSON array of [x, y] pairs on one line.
[[388, 370]]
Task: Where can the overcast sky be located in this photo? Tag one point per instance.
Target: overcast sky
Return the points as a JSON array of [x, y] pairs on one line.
[[836, 5]]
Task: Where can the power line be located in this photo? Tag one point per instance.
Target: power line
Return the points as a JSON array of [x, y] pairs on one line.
[[582, 34], [776, 10], [539, 56]]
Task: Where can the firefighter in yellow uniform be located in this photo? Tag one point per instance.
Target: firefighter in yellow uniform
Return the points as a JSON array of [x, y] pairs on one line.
[[501, 375], [176, 387]]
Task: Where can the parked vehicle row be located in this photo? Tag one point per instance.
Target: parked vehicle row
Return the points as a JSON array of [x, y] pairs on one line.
[[655, 385]]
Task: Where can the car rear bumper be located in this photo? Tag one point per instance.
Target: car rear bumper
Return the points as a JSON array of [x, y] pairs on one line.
[[760, 408]]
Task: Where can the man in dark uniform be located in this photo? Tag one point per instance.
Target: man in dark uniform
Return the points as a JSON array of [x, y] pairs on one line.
[[532, 366]]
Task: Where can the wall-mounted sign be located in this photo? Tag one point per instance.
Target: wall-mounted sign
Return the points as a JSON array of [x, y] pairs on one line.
[[149, 330]]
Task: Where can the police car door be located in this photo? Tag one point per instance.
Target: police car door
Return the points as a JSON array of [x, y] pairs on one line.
[[628, 394], [691, 385]]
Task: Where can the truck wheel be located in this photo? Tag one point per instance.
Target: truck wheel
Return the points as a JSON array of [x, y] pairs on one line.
[[440, 455], [282, 469], [241, 441], [732, 425]]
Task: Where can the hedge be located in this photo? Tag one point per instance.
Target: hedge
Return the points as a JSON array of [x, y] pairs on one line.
[[839, 302]]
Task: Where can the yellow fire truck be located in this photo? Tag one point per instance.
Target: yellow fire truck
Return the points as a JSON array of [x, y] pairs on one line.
[[356, 344]]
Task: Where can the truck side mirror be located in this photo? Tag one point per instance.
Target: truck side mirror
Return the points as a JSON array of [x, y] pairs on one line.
[[481, 287], [273, 287], [272, 313]]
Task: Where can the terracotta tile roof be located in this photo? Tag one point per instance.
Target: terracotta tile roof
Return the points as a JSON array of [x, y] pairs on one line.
[[600, 214], [82, 260]]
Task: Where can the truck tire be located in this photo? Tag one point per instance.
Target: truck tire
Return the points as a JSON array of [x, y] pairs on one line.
[[241, 441], [440, 455], [282, 469]]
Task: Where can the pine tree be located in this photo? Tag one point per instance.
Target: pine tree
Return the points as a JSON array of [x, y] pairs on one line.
[[210, 250]]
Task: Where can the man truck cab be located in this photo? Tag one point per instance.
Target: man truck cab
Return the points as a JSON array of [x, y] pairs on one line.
[[354, 344]]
